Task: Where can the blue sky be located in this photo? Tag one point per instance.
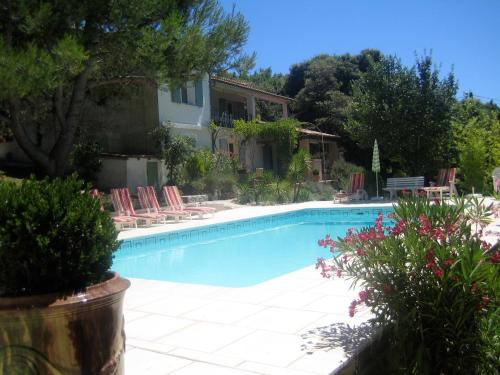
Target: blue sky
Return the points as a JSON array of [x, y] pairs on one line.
[[463, 35]]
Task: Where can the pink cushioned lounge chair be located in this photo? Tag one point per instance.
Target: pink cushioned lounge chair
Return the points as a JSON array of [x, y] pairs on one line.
[[149, 202], [174, 201], [122, 203], [121, 221]]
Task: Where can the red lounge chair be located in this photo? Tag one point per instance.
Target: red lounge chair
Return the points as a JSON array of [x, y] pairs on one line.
[[174, 201], [122, 203], [121, 221], [149, 202], [445, 184], [356, 189]]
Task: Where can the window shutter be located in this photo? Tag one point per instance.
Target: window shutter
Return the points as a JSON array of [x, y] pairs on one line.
[[176, 95], [184, 94], [198, 93]]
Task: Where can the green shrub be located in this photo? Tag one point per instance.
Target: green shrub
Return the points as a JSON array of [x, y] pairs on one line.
[[280, 191], [473, 163], [341, 172], [86, 159], [431, 283], [245, 193], [194, 168], [53, 237], [226, 185]]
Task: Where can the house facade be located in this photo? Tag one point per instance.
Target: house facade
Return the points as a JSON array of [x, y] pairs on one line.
[[123, 125]]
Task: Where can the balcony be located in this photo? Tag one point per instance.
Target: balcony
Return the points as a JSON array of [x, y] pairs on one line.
[[226, 119]]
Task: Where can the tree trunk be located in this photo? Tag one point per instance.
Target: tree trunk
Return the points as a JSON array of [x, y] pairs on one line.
[[54, 163]]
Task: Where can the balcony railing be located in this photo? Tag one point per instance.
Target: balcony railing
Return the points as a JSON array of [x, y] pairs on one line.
[[226, 120]]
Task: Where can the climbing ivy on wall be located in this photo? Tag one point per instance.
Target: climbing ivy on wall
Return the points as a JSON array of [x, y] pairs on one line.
[[283, 132]]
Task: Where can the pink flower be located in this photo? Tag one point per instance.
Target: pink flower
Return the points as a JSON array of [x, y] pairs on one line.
[[447, 262], [474, 288], [495, 257], [388, 288], [426, 226], [438, 272], [352, 308], [363, 295], [361, 252], [398, 228]]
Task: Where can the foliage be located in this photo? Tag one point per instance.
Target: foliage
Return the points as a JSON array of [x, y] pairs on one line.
[[54, 237], [341, 172], [174, 150], [476, 141], [258, 189], [407, 110], [472, 162], [322, 88], [220, 177], [319, 191], [195, 167], [245, 193], [279, 191], [283, 132], [54, 54], [429, 281], [86, 158], [299, 167]]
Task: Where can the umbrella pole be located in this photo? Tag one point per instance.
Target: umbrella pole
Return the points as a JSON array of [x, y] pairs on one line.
[[376, 179]]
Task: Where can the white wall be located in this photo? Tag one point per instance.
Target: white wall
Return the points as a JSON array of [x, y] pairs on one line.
[[113, 173], [187, 119]]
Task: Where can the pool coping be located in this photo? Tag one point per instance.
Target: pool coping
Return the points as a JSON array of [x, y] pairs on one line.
[[240, 213]]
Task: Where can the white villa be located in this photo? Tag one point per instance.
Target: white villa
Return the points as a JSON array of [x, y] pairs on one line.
[[123, 125]]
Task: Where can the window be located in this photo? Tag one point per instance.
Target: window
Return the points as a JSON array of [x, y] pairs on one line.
[[179, 94], [198, 93], [188, 93]]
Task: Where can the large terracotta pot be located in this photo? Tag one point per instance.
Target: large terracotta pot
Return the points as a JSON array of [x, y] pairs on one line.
[[55, 334]]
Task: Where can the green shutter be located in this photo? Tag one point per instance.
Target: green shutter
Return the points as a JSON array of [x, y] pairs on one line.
[[176, 95], [198, 93]]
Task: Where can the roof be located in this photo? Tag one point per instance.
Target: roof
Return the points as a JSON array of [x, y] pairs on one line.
[[317, 134], [247, 86]]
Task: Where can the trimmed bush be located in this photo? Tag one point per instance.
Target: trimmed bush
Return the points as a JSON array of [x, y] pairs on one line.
[[53, 237], [341, 172]]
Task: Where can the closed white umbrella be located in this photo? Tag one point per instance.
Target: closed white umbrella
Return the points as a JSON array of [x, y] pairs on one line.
[[376, 163]]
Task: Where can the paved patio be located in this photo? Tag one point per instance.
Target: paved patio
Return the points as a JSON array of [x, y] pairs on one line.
[[294, 324]]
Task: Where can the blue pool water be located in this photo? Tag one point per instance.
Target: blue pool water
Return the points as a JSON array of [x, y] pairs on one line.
[[240, 253]]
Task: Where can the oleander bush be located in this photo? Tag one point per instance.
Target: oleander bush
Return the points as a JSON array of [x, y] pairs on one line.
[[53, 237], [430, 282]]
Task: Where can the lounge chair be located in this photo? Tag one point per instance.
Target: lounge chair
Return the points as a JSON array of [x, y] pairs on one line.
[[149, 202], [122, 203], [120, 221], [445, 184], [496, 180], [174, 201], [356, 189]]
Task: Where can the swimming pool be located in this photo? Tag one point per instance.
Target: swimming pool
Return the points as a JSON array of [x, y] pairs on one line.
[[239, 253]]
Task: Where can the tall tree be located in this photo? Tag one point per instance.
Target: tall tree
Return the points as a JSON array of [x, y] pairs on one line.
[[322, 88], [408, 111], [476, 142], [53, 53]]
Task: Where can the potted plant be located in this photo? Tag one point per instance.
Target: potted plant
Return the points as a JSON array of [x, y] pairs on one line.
[[60, 307], [431, 284]]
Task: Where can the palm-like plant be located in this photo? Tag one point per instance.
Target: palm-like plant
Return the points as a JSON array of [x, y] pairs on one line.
[[299, 166]]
